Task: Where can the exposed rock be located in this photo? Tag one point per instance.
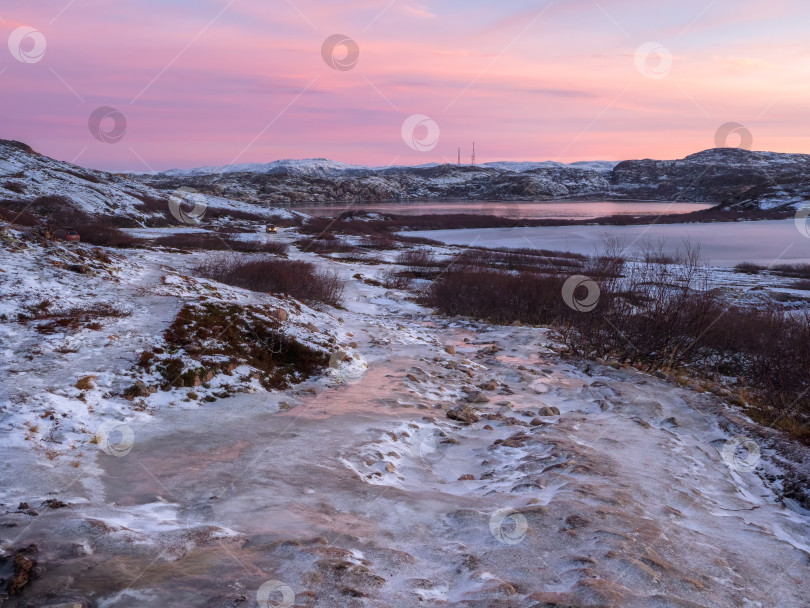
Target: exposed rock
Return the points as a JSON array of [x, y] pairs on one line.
[[577, 521], [139, 389], [24, 569], [450, 349], [464, 414], [476, 397], [548, 411], [54, 503]]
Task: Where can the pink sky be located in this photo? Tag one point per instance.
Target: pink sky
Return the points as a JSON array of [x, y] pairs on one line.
[[210, 82]]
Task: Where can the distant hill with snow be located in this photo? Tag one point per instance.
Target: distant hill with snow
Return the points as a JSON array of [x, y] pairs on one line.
[[730, 177], [323, 167], [733, 178]]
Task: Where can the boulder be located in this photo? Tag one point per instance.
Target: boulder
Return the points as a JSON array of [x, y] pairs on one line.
[[476, 397], [139, 389], [464, 414], [548, 411]]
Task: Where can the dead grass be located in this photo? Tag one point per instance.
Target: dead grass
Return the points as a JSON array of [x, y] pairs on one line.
[[68, 319], [86, 383], [233, 335]]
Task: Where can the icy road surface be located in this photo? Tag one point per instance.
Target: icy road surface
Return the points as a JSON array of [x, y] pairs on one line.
[[358, 490]]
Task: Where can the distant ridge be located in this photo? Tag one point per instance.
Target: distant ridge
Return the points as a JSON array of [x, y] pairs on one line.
[[735, 179], [323, 167]]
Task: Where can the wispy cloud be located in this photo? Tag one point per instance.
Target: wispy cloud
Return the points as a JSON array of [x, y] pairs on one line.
[[535, 91]]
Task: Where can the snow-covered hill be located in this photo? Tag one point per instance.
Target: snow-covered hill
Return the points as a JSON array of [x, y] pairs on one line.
[[322, 167], [26, 176], [731, 177]]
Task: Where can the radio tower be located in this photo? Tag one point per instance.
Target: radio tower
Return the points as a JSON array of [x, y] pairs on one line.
[[459, 156], [472, 160]]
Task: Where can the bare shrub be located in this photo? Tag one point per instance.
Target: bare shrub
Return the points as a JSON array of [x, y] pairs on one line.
[[104, 235], [324, 246], [419, 263], [658, 316], [496, 295], [14, 187], [298, 279], [799, 271], [384, 242], [749, 268], [394, 279], [15, 213], [215, 242]]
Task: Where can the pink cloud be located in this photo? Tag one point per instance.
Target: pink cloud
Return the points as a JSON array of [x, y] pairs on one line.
[[198, 90]]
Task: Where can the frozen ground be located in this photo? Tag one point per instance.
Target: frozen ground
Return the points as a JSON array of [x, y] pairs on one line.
[[356, 488]]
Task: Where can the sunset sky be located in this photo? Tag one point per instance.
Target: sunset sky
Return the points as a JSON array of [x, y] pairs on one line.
[[212, 82]]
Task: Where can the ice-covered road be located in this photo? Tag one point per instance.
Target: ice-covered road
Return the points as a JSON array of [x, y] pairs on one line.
[[365, 493]]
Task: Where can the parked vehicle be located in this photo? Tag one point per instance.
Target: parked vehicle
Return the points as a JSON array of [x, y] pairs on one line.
[[271, 229], [72, 236]]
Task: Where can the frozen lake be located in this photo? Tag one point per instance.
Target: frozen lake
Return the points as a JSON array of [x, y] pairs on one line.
[[721, 244], [564, 210]]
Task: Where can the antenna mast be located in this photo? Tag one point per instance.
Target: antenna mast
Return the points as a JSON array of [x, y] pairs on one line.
[[459, 156], [472, 160]]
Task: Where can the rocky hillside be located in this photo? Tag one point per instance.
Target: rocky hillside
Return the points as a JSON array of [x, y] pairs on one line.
[[34, 183], [732, 177], [26, 175]]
